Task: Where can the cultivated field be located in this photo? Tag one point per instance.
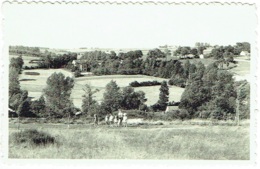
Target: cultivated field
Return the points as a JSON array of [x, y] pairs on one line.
[[154, 142]]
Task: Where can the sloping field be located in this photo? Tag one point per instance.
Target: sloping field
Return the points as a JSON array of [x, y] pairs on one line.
[[26, 59], [175, 142], [99, 82], [36, 83]]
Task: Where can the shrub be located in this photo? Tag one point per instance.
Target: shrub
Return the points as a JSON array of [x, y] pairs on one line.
[[145, 83], [32, 73], [33, 137], [177, 114], [77, 73], [177, 82]]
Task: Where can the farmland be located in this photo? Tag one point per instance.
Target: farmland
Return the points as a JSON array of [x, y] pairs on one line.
[[161, 142], [35, 84], [26, 59]]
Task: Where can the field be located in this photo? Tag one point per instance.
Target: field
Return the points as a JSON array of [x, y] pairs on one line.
[[35, 84], [161, 142], [26, 60]]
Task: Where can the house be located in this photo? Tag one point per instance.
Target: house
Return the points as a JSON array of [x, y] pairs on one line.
[[201, 56], [171, 108], [81, 64], [190, 56], [244, 53], [207, 51]]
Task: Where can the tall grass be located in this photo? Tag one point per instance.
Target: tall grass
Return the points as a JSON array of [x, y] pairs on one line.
[[194, 142]]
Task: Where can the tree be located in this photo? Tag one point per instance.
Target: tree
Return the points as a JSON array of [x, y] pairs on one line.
[[88, 102], [57, 94], [17, 63], [112, 97], [14, 84], [23, 109], [38, 107], [156, 53], [132, 99], [163, 96]]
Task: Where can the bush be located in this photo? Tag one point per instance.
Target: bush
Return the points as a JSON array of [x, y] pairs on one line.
[[32, 73], [177, 82], [146, 83], [177, 114], [77, 73], [33, 137]]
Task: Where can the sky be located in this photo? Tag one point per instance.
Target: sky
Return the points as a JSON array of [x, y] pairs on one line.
[[126, 26]]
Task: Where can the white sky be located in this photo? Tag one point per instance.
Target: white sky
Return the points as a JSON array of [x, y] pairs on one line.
[[126, 26]]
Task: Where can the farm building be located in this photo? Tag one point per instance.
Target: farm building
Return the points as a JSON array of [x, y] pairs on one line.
[[244, 53], [188, 56], [207, 51], [81, 64], [171, 108]]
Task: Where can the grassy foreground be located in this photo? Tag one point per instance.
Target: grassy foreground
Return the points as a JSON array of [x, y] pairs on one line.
[[174, 142]]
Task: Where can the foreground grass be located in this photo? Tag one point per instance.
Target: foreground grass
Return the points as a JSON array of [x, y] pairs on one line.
[[176, 142]]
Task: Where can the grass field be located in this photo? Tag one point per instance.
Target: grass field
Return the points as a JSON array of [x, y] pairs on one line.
[[26, 60], [36, 83], [171, 142]]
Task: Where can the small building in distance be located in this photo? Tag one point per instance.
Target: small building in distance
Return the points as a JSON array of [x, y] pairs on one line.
[[207, 51], [81, 64], [172, 106], [245, 53]]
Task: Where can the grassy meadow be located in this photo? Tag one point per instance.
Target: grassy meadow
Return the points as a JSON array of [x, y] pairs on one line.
[[192, 142], [36, 83]]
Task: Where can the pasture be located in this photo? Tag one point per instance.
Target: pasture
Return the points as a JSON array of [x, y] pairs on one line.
[[26, 59], [178, 142], [36, 83]]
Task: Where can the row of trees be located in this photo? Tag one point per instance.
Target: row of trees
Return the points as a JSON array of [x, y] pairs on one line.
[[227, 52], [22, 50], [52, 60], [18, 99]]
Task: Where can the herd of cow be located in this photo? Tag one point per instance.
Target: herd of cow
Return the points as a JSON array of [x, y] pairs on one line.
[[113, 121]]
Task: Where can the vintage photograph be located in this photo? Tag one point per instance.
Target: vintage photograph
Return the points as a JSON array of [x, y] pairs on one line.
[[130, 81]]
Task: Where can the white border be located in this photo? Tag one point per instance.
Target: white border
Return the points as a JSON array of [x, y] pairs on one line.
[[254, 163]]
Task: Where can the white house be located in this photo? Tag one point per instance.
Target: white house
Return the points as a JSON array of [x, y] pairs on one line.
[[201, 56], [171, 108], [244, 53]]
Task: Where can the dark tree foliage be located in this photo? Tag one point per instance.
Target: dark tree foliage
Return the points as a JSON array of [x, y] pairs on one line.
[[22, 50], [210, 91], [17, 63], [112, 97], [14, 84], [156, 53], [57, 94], [132, 99], [89, 104], [163, 96], [38, 107], [51, 60]]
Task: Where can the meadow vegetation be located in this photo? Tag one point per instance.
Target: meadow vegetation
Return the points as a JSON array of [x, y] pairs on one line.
[[161, 142], [204, 125]]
